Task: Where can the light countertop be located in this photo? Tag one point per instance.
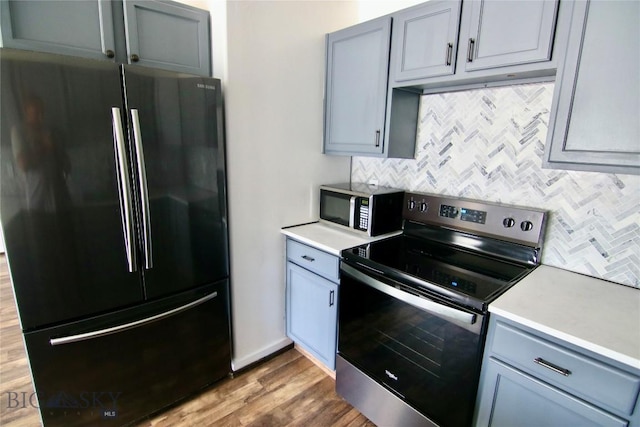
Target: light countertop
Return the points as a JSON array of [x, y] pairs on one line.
[[328, 238], [600, 316]]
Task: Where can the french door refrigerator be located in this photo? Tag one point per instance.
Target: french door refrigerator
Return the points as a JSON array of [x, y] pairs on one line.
[[113, 207]]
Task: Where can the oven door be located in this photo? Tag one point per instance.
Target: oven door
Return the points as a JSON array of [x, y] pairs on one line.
[[426, 352]]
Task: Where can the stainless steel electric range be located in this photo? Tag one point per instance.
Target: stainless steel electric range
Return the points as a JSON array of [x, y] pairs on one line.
[[413, 309]]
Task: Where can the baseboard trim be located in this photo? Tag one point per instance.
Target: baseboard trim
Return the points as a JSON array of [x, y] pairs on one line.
[[318, 363], [239, 364]]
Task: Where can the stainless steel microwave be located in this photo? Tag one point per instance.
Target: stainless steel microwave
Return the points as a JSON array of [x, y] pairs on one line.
[[367, 209]]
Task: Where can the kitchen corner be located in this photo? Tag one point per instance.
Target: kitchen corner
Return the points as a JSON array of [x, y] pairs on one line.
[[556, 337]]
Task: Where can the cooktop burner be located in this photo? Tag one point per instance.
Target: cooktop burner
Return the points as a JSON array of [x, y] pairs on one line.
[[464, 251], [462, 273]]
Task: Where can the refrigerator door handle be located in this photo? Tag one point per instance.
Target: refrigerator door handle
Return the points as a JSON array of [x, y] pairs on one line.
[[124, 192], [144, 192], [121, 328]]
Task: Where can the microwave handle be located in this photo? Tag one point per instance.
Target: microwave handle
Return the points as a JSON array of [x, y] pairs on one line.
[[352, 212]]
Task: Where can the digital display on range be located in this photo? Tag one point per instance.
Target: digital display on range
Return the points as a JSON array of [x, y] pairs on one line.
[[479, 217], [448, 211]]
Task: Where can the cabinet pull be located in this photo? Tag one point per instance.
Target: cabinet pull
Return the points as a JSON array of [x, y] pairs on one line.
[[555, 368], [110, 53], [331, 298], [135, 58], [378, 138], [449, 53], [307, 258], [470, 48]]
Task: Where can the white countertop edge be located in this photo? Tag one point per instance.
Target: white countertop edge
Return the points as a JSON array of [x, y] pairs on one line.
[[328, 238], [311, 242], [606, 352]]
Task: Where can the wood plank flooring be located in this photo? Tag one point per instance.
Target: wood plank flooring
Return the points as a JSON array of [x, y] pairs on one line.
[[288, 390]]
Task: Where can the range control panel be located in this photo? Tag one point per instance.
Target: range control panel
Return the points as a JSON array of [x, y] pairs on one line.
[[510, 223]]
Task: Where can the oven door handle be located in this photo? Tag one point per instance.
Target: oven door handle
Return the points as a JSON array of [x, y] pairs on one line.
[[421, 303]]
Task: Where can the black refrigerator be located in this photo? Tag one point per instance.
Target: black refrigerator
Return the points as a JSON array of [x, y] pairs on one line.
[[114, 211]]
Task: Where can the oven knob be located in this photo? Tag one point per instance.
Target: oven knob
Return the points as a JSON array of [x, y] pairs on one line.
[[423, 207], [411, 205], [526, 225], [508, 222]]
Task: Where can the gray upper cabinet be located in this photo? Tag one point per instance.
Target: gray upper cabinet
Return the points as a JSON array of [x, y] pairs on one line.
[[425, 41], [356, 88], [503, 33], [168, 35], [467, 44], [80, 28], [153, 33], [595, 112]]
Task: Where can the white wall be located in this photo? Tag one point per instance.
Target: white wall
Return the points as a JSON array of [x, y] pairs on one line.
[[270, 58], [369, 9], [274, 78]]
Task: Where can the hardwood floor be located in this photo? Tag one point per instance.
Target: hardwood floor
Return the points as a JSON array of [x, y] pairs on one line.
[[288, 390]]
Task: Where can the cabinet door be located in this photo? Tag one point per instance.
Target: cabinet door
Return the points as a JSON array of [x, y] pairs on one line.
[[356, 88], [79, 28], [167, 35], [312, 313], [425, 41], [594, 115], [501, 33], [510, 397]]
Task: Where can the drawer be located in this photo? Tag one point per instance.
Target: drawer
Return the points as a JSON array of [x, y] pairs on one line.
[[585, 377], [320, 262]]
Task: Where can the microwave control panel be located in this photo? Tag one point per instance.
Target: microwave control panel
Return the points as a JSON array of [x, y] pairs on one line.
[[362, 216]]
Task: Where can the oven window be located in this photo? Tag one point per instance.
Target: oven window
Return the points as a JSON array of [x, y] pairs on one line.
[[430, 362], [335, 207]]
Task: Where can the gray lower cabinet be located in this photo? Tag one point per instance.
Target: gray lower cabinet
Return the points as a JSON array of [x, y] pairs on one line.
[[312, 300], [154, 33], [595, 112], [531, 379], [356, 88]]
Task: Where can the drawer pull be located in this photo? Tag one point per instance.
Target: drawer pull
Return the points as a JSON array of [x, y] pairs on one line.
[[555, 368], [307, 258]]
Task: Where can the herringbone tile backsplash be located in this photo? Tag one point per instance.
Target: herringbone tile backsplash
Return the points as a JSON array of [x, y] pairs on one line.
[[488, 144]]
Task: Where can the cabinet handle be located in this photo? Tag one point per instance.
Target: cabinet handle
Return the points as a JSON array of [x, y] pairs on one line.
[[331, 298], [378, 138], [307, 258], [134, 57], [555, 368], [472, 43], [110, 53], [449, 53]]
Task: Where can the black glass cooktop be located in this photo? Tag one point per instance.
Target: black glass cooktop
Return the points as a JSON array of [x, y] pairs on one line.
[[453, 273]]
